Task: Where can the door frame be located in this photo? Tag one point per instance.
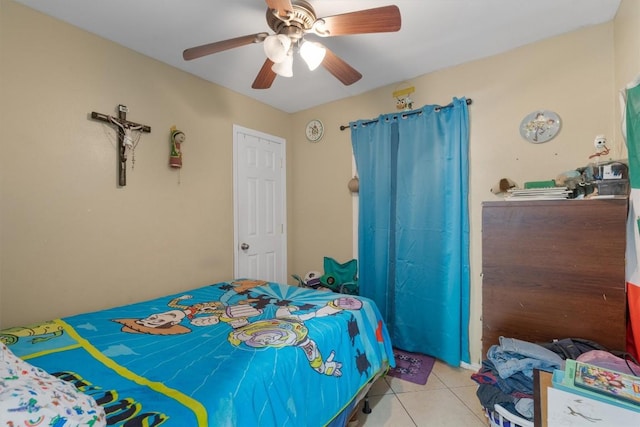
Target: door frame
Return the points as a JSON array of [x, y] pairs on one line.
[[283, 193]]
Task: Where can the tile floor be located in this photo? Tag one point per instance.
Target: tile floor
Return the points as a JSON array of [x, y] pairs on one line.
[[448, 399]]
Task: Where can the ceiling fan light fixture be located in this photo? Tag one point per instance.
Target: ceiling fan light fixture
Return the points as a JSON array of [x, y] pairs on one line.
[[290, 20], [313, 54], [284, 68], [276, 47]]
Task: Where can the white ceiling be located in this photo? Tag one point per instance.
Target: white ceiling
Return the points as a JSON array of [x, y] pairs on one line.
[[435, 34]]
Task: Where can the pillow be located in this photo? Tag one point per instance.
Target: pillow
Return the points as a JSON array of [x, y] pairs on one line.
[[340, 277], [31, 396]]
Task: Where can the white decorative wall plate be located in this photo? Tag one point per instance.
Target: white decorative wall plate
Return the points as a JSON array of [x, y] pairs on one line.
[[540, 126]]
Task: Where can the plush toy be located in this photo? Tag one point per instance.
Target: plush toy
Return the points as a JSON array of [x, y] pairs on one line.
[[310, 280], [504, 185], [177, 138], [404, 104], [569, 179]]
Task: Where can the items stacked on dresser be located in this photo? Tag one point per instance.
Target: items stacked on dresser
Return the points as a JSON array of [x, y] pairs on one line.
[[546, 193], [596, 180]]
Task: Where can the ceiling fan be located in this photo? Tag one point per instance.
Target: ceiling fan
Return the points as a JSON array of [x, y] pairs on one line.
[[291, 20]]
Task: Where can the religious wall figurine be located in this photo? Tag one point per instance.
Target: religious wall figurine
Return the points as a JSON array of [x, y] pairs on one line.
[[127, 141], [177, 138]]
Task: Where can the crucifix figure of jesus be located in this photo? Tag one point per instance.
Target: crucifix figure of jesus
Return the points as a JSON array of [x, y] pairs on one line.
[[125, 139]]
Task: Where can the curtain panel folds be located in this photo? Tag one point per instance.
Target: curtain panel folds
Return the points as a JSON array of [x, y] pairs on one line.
[[413, 244]]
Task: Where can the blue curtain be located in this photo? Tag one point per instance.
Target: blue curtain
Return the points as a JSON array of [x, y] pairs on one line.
[[414, 226]]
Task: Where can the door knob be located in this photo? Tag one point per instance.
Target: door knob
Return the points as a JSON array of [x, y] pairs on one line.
[[244, 246]]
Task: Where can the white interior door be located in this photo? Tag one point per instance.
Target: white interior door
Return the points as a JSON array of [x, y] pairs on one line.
[[260, 233]]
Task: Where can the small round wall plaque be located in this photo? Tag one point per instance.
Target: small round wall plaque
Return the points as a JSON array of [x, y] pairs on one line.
[[540, 126]]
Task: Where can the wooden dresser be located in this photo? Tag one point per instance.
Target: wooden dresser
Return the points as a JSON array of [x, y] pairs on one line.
[[554, 269]]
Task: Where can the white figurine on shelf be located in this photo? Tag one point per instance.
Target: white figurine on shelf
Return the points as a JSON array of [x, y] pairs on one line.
[[600, 143]]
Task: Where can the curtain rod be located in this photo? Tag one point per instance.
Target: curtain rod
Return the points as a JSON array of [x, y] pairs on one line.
[[438, 108]]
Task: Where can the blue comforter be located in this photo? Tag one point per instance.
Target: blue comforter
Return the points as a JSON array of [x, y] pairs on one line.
[[242, 353]]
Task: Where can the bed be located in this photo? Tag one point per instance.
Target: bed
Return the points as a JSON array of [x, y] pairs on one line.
[[239, 353]]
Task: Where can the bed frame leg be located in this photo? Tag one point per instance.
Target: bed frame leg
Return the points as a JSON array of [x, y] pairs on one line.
[[366, 408]]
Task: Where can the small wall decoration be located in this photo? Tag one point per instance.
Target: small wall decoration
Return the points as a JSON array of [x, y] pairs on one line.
[[354, 184], [314, 130], [403, 101], [177, 139], [540, 126], [126, 141], [600, 144]]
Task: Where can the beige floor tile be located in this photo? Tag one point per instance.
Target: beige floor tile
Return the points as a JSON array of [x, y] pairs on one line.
[[452, 377], [401, 386], [470, 399], [448, 399], [386, 411], [439, 408]]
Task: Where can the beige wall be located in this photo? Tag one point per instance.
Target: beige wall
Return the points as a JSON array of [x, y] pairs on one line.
[[72, 241]]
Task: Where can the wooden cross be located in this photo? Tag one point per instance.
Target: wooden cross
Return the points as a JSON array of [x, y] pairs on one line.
[[124, 137]]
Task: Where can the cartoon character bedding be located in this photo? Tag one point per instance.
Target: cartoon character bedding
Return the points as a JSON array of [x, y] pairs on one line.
[[243, 353]]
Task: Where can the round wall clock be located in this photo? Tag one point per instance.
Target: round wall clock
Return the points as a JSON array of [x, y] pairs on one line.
[[314, 130], [540, 126]]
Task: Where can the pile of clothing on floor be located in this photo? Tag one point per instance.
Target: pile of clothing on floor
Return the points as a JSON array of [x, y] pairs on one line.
[[506, 376]]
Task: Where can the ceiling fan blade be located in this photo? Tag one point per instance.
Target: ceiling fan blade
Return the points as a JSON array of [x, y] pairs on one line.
[[265, 76], [378, 20], [210, 48], [340, 69], [282, 6]]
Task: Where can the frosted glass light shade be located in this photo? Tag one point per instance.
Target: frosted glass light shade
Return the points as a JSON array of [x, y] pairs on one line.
[[276, 47], [313, 54], [284, 68]]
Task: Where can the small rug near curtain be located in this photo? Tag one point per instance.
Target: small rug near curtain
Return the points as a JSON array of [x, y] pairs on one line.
[[412, 367], [413, 226]]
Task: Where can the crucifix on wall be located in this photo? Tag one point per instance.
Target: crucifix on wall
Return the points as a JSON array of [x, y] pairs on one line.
[[125, 130]]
